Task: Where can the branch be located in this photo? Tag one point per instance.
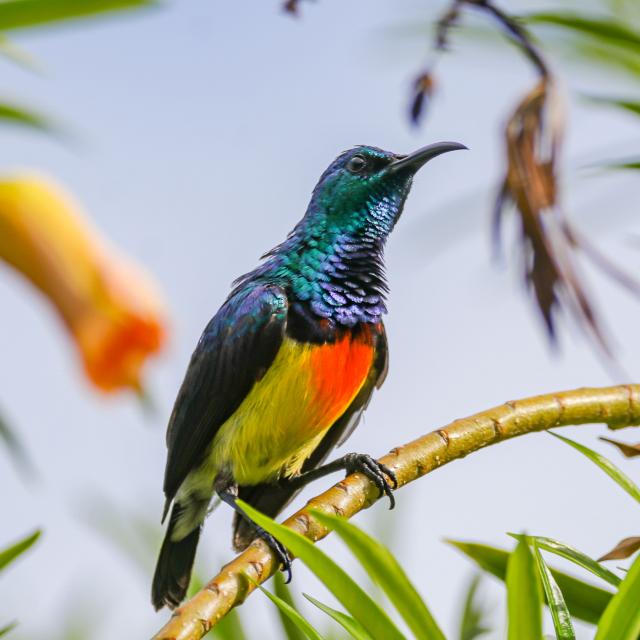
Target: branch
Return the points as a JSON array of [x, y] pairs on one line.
[[617, 407]]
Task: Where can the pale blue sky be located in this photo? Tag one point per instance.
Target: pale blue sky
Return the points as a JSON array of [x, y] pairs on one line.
[[200, 129]]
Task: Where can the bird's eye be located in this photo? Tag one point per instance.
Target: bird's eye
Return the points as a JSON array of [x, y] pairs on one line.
[[356, 164]]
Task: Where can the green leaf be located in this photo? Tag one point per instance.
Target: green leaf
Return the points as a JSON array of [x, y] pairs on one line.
[[524, 596], [14, 114], [287, 610], [8, 555], [280, 588], [7, 628], [20, 14], [18, 56], [621, 619], [624, 164], [602, 29], [472, 623], [632, 106], [584, 600], [575, 556], [606, 465], [559, 612], [353, 628], [16, 449], [387, 573], [337, 580], [609, 56]]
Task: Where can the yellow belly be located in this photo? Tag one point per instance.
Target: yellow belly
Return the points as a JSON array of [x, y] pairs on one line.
[[286, 414]]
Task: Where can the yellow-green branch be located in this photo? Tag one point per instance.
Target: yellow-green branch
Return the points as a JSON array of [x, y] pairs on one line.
[[617, 407]]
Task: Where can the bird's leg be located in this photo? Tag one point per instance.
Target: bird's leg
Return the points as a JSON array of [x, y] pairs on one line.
[[351, 463], [227, 491]]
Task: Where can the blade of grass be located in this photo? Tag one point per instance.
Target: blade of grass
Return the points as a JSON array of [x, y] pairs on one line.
[[344, 588], [621, 619], [7, 628], [524, 596], [290, 631], [559, 612], [387, 573], [606, 465], [584, 600], [472, 623], [303, 625], [575, 556], [353, 628], [20, 14], [8, 555]]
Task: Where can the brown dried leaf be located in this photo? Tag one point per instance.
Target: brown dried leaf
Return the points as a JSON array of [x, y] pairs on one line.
[[628, 450], [290, 6], [422, 91], [548, 242], [624, 549]]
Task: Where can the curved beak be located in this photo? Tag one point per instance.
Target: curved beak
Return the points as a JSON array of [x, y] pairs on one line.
[[418, 158]]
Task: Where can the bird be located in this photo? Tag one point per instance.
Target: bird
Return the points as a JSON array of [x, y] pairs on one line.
[[285, 369]]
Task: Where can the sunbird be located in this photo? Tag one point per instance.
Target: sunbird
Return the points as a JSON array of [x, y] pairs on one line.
[[283, 372]]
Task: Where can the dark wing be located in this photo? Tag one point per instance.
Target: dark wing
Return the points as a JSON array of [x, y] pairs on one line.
[[270, 499], [234, 352]]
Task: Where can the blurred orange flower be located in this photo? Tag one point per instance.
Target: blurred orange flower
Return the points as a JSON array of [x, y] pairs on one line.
[[110, 306]]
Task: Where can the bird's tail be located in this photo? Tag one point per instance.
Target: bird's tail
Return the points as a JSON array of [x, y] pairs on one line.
[[173, 570]]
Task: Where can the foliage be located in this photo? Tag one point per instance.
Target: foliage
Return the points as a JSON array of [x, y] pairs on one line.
[[551, 247]]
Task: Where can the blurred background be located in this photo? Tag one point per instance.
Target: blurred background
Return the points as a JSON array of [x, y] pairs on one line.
[[193, 134]]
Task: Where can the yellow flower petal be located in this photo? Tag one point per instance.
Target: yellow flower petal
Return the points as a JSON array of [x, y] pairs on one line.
[[109, 305]]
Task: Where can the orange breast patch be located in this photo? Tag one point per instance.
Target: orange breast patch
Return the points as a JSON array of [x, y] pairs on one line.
[[339, 370]]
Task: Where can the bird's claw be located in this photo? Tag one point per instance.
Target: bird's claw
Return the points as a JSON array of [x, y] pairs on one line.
[[376, 472], [282, 555]]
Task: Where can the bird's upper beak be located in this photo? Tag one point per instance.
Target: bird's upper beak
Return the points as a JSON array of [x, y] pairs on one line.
[[418, 158]]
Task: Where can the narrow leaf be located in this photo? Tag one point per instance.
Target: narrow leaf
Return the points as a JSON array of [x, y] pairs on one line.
[[624, 549], [22, 116], [289, 629], [524, 596], [351, 626], [632, 106], [287, 610], [16, 449], [559, 612], [621, 619], [8, 555], [360, 605], [19, 14], [627, 450], [387, 573], [584, 600], [630, 164], [472, 623], [607, 466], [18, 56], [575, 556], [600, 28], [7, 628]]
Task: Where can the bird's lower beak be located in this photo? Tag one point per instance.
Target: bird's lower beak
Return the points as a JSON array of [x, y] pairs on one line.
[[418, 158]]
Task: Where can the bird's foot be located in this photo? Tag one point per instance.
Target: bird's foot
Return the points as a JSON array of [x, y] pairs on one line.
[[282, 555], [375, 471]]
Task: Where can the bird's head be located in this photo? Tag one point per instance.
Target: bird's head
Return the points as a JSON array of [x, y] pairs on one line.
[[363, 190]]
